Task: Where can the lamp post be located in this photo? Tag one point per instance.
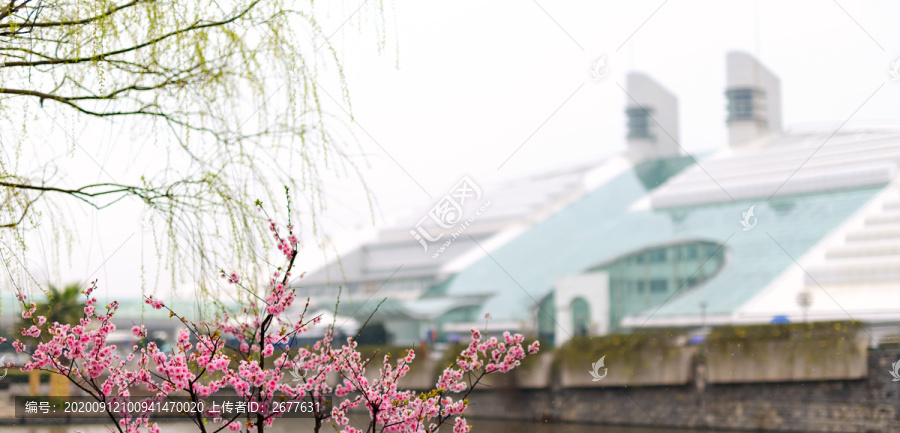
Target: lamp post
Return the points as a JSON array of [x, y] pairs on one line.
[[804, 300], [703, 313]]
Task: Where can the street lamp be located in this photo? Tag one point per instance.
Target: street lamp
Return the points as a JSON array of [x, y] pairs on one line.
[[804, 300]]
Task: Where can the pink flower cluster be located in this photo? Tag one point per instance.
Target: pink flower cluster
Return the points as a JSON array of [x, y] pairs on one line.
[[232, 278], [403, 411], [287, 245], [155, 303], [245, 354]]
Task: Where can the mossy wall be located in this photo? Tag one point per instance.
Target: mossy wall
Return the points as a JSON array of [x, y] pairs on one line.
[[662, 357], [788, 352], [656, 357], [870, 405]]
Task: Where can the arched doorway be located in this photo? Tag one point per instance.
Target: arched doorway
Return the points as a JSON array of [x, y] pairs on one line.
[[581, 316]]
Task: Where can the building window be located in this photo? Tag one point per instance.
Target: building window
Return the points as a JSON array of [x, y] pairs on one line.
[[711, 251], [642, 279], [690, 252], [638, 122], [744, 103], [546, 319]]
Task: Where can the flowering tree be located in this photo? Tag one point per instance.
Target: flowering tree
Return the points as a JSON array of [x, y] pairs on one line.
[[248, 358]]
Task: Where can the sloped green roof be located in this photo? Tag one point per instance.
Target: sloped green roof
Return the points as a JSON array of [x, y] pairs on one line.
[[599, 228]]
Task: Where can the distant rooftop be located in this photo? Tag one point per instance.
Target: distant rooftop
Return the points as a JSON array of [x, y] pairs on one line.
[[849, 158], [848, 171], [514, 204]]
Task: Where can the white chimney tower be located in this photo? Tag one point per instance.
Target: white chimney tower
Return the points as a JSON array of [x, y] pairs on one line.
[[652, 113], [754, 99]]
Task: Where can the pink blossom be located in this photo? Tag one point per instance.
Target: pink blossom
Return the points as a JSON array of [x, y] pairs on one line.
[[139, 331], [221, 355]]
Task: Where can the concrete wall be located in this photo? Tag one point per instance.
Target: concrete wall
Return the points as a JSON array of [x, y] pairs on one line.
[[780, 353], [778, 361], [796, 377], [866, 405], [652, 367]]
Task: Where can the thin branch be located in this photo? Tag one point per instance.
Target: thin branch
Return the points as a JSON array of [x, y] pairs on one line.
[[108, 12], [154, 41]]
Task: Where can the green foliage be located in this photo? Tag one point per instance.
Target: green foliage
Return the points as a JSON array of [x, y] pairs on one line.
[[62, 306], [787, 331], [18, 377], [228, 93], [807, 340], [581, 351]]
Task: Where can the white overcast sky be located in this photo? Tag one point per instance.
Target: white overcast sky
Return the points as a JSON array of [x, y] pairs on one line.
[[478, 80]]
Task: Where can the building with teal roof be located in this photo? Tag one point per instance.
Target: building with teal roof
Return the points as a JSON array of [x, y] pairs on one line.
[[796, 224]]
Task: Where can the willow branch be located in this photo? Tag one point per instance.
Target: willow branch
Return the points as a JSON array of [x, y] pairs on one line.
[[108, 12], [154, 41]]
